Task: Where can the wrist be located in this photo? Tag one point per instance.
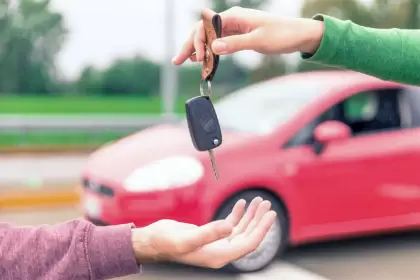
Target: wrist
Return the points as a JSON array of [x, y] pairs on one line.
[[142, 245], [313, 33]]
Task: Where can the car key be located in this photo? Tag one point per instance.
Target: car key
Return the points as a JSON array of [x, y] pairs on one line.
[[202, 119], [204, 126]]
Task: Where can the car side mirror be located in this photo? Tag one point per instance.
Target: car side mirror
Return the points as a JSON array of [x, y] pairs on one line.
[[328, 132]]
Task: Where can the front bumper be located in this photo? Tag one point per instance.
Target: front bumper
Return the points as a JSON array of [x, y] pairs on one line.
[[112, 207]]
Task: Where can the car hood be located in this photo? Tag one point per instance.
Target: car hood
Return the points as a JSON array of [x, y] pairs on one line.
[[115, 161]]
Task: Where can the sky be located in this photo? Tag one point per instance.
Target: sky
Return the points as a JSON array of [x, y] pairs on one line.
[[102, 30]]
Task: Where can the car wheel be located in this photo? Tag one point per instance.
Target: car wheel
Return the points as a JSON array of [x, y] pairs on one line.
[[274, 243]]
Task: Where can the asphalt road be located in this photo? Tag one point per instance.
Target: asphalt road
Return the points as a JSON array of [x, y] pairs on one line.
[[385, 258]]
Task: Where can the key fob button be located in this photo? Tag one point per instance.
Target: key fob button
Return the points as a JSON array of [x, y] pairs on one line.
[[209, 126]]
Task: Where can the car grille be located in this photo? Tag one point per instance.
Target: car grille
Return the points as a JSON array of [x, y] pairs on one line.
[[98, 188]]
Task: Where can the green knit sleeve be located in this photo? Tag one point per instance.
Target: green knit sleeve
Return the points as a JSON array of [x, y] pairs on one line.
[[389, 54]]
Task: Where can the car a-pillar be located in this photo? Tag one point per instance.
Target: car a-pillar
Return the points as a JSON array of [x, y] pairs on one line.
[[276, 240]]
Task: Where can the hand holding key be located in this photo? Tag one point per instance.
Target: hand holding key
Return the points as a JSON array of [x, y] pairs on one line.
[[250, 29], [201, 117]]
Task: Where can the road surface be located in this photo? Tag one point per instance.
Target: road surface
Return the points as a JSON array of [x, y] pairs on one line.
[[33, 171], [385, 258]]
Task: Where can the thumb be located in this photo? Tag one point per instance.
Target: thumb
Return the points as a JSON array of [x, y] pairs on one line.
[[232, 44]]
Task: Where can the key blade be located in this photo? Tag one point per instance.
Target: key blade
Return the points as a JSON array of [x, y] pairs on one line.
[[213, 163]]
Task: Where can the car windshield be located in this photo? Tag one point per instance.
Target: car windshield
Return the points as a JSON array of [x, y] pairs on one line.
[[262, 107]]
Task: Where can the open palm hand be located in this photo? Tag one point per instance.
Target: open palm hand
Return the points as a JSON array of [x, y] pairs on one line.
[[212, 245]]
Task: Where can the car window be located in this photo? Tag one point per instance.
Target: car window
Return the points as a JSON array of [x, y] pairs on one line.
[[361, 107], [410, 106], [365, 113], [261, 108], [372, 112]]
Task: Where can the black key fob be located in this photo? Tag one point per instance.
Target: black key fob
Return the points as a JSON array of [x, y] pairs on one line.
[[203, 123]]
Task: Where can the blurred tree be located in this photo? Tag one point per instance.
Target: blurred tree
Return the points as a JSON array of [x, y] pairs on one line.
[[31, 37], [380, 14], [139, 76], [342, 9], [413, 18], [130, 76], [304, 66], [189, 79], [230, 75], [269, 68], [396, 14], [89, 81]]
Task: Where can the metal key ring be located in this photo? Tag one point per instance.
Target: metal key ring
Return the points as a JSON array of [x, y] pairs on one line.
[[208, 88]]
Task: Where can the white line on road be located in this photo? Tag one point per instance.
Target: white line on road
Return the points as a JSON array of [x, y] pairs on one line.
[[282, 271]]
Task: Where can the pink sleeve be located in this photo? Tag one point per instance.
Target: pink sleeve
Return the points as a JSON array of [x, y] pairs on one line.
[[72, 250]]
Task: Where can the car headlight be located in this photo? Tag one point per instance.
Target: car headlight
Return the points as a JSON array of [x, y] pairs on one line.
[[171, 172]]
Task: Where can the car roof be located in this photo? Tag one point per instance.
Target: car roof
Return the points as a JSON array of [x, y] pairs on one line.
[[329, 81], [334, 77]]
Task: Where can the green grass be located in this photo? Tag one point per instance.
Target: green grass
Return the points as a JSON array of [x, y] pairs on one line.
[[83, 105], [58, 138], [75, 105]]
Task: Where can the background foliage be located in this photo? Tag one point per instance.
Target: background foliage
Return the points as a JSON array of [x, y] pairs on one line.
[[32, 35]]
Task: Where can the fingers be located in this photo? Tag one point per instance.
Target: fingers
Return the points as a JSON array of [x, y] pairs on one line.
[[232, 44], [193, 58], [235, 20], [187, 50], [237, 212], [199, 39], [250, 243], [261, 230], [198, 237], [247, 218], [263, 208], [195, 43]]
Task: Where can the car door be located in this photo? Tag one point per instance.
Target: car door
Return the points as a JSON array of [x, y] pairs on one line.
[[363, 182], [402, 187]]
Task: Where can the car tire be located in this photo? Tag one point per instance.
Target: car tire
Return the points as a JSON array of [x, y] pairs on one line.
[[275, 242]]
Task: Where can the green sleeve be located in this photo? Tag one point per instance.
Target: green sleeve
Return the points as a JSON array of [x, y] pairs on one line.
[[388, 54]]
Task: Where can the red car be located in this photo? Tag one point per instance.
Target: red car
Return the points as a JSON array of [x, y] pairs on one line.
[[336, 152]]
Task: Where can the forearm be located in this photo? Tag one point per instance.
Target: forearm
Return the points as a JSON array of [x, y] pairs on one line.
[[389, 54], [75, 249]]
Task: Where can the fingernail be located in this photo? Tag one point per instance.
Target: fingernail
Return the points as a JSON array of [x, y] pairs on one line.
[[173, 59], [219, 46]]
